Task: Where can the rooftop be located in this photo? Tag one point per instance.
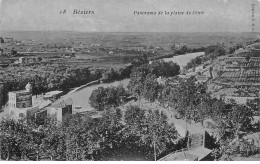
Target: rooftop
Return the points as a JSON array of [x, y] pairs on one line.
[[187, 155], [20, 91], [62, 103], [52, 93], [180, 156]]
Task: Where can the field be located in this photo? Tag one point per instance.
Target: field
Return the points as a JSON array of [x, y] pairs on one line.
[[248, 76], [112, 49], [250, 72]]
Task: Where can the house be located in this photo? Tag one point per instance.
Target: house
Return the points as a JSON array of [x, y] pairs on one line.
[[20, 102], [60, 109]]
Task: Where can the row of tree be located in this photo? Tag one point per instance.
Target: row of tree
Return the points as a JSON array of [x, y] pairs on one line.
[[80, 137]]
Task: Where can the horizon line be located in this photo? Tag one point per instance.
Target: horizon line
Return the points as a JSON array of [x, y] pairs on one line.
[[130, 31]]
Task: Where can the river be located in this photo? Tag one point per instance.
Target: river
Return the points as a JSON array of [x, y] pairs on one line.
[[81, 95]]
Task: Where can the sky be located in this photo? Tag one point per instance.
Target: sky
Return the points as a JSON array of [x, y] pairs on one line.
[[118, 15]]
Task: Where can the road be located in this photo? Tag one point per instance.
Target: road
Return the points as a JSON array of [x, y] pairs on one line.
[[194, 128]]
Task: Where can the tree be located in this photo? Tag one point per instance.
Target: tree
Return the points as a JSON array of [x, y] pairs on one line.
[[162, 68], [134, 118], [97, 97], [2, 40], [137, 78], [159, 135], [13, 52], [140, 61], [39, 59], [81, 138], [151, 87], [184, 96], [239, 118], [53, 144], [150, 129], [109, 75], [215, 51], [104, 98], [247, 58]]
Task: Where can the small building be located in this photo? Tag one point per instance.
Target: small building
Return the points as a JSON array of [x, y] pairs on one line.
[[22, 60], [20, 103], [21, 99], [60, 109]]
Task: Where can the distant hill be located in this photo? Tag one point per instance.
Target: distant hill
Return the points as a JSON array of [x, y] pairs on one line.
[[120, 38]]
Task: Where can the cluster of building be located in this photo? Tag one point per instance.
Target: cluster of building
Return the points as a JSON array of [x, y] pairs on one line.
[[21, 106]]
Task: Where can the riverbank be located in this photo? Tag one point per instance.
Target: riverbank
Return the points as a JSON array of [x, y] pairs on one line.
[[80, 95], [86, 85], [178, 59]]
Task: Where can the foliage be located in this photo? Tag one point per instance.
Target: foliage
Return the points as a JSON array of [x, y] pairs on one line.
[[151, 129], [2, 40], [162, 68], [140, 61], [137, 79], [151, 87], [105, 98], [49, 77], [211, 53]]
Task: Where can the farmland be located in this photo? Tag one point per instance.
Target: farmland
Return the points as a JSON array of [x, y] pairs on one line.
[[248, 76]]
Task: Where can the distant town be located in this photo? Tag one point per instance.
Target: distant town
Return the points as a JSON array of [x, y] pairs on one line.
[[68, 96]]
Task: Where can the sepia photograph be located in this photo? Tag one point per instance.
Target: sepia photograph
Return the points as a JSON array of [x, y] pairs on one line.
[[129, 80]]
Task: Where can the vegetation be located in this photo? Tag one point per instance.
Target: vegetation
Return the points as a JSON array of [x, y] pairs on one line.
[[211, 53], [105, 98], [80, 137], [56, 77], [146, 132], [1, 40], [143, 79]]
